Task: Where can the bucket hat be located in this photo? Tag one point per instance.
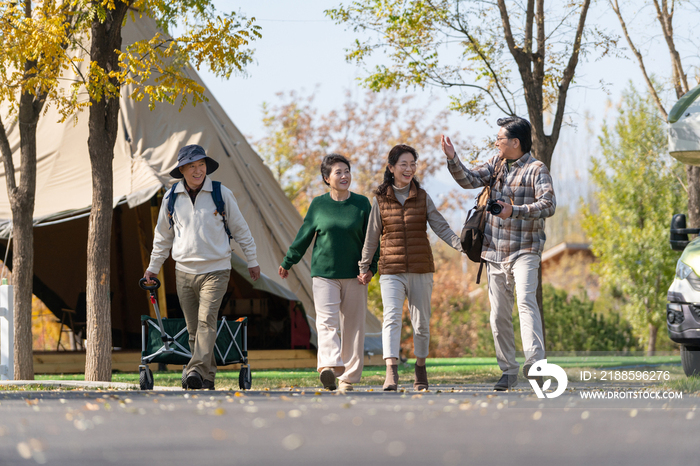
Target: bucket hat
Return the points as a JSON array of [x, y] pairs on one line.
[[192, 153]]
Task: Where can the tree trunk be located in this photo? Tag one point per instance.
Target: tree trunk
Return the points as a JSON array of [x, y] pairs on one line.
[[22, 205], [104, 111], [651, 347], [22, 275], [693, 176]]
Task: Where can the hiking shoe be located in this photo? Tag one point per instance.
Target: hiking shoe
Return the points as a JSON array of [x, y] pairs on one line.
[[344, 386], [194, 380], [537, 378], [391, 383], [421, 380], [506, 383], [208, 385], [327, 378]]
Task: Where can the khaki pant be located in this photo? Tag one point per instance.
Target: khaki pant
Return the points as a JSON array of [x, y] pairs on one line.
[[520, 276], [418, 288], [200, 298], [341, 304]]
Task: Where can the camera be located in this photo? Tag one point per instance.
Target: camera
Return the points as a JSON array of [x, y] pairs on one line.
[[493, 206]]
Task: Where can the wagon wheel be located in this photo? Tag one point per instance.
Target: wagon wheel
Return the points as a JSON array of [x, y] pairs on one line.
[[145, 378], [245, 378]]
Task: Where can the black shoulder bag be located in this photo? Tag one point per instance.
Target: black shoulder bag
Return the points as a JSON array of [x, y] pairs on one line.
[[472, 236]]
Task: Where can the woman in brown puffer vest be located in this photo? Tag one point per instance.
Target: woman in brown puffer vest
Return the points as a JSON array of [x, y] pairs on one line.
[[400, 214]]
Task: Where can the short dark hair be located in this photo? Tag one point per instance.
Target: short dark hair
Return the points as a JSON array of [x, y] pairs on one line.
[[328, 162], [518, 128]]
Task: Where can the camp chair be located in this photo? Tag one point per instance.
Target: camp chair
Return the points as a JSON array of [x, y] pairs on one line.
[[74, 322]]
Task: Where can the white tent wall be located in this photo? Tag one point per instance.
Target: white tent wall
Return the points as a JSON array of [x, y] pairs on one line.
[[145, 152]]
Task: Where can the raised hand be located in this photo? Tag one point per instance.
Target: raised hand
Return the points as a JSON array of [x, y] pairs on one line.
[[447, 147]]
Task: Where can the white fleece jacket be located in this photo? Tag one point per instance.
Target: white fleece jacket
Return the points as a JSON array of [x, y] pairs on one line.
[[198, 239]]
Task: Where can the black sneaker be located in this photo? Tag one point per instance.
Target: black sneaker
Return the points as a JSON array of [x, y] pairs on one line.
[[194, 380], [506, 383], [208, 385]]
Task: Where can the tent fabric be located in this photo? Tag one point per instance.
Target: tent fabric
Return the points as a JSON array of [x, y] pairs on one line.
[[684, 136], [145, 151]]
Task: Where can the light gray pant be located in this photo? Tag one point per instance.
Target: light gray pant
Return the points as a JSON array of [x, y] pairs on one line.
[[341, 304], [418, 288], [200, 298], [520, 276]]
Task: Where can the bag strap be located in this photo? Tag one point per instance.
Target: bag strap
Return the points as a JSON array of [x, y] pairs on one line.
[[170, 197], [216, 197], [498, 173], [481, 267], [220, 205]]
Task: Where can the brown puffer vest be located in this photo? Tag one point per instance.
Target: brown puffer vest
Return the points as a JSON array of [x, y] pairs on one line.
[[404, 244]]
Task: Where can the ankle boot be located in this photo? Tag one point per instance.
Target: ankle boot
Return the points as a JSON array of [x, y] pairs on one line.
[[392, 378], [421, 381]]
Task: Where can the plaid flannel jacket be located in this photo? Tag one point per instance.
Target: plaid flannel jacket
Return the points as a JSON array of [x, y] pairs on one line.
[[528, 187]]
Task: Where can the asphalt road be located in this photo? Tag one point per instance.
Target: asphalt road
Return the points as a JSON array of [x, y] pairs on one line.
[[455, 425]]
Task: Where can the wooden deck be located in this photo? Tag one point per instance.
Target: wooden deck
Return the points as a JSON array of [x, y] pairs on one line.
[[73, 362]]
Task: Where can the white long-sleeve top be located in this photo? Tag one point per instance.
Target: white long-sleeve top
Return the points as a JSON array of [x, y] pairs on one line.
[[197, 240]]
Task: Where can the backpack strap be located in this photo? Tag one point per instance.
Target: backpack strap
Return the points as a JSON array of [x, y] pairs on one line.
[[170, 197], [220, 205]]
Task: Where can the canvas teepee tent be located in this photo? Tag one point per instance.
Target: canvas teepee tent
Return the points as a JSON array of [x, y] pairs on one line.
[[145, 152]]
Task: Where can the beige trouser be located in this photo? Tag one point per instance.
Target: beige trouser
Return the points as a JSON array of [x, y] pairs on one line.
[[418, 288], [200, 298], [520, 276], [341, 304]]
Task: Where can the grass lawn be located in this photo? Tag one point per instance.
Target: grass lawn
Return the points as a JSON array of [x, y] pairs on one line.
[[451, 371], [441, 371]]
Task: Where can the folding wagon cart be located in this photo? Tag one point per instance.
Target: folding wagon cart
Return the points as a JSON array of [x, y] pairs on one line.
[[167, 341]]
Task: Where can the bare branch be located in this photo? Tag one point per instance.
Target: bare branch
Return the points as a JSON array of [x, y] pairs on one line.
[[539, 56], [437, 79], [529, 18], [568, 74], [6, 153], [657, 100], [665, 17], [488, 65], [517, 53]]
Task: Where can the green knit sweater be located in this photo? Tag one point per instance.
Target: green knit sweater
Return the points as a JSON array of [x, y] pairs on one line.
[[339, 228]]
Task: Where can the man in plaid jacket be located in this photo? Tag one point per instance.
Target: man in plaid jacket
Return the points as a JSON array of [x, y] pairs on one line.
[[513, 240]]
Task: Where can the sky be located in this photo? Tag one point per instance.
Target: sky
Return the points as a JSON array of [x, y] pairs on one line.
[[301, 49]]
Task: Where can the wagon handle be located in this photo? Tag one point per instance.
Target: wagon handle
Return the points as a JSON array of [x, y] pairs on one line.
[[142, 284]]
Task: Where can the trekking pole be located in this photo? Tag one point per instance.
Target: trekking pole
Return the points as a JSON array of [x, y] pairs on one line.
[[152, 290]]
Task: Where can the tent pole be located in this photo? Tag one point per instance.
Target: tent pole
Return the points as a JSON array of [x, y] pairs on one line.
[[155, 208]]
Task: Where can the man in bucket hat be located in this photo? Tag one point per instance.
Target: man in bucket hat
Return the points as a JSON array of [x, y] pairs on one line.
[[198, 237]]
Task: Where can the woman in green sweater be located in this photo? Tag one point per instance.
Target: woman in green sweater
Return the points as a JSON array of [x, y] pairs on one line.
[[338, 222]]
